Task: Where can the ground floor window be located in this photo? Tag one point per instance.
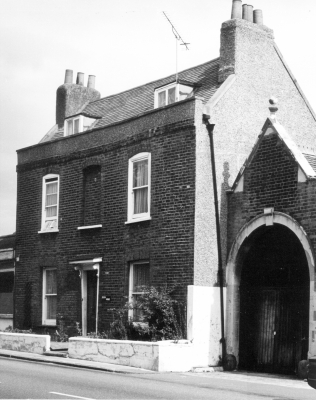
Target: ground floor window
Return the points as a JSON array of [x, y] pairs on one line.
[[6, 292], [49, 296], [138, 277]]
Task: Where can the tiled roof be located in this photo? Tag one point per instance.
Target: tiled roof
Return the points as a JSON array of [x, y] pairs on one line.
[[311, 158], [138, 100]]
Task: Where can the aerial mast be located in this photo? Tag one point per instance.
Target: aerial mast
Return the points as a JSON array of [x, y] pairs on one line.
[[178, 38]]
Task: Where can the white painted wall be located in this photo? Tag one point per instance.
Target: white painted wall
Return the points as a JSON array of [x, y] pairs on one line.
[[24, 342], [204, 324], [161, 356], [5, 322]]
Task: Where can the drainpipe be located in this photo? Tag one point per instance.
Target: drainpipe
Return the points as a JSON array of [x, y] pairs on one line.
[[210, 129]]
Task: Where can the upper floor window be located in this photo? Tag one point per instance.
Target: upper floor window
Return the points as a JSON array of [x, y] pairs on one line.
[[77, 124], [139, 187], [50, 201], [171, 93]]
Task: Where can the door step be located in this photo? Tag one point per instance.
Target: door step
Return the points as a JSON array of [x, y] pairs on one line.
[[56, 353]]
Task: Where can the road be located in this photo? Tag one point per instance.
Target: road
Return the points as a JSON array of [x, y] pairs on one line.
[[31, 380]]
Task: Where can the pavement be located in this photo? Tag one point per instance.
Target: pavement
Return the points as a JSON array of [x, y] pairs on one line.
[[250, 377], [72, 362]]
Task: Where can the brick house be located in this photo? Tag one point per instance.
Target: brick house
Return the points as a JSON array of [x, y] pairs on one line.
[[7, 266], [119, 194]]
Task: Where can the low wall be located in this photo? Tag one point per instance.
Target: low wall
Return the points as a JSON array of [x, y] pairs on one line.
[[24, 342], [156, 356]]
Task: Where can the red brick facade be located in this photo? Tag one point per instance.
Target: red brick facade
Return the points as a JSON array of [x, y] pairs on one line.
[[166, 240]]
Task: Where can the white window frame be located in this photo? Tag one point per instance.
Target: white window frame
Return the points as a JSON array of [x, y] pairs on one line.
[[77, 118], [46, 321], [175, 85], [44, 218], [131, 217], [131, 293], [165, 89]]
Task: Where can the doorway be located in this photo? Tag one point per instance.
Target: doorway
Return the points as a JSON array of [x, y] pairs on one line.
[[274, 301], [92, 282]]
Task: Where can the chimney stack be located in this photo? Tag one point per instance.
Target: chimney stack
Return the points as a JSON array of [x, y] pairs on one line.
[[242, 41], [237, 9], [80, 78], [71, 96], [68, 76], [258, 17], [91, 82]]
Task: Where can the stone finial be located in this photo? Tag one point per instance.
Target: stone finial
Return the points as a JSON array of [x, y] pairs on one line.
[[273, 108]]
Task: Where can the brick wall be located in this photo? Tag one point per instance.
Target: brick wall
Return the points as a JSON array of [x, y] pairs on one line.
[[166, 240], [271, 181]]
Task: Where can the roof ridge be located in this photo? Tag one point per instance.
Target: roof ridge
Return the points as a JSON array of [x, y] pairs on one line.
[[156, 80]]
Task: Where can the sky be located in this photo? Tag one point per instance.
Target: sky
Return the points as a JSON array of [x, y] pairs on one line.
[[125, 43]]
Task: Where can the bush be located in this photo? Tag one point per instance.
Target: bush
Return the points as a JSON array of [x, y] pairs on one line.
[[162, 318], [162, 313], [16, 330]]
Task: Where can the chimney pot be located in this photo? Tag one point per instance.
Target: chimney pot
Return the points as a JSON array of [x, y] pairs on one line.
[[68, 76], [244, 11], [80, 78], [237, 9], [258, 17], [91, 81], [250, 13]]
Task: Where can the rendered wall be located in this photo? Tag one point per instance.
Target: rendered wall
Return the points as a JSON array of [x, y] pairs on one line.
[[165, 356], [25, 342]]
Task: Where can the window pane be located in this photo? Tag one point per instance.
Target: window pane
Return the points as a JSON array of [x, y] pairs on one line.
[[51, 188], [76, 127], [162, 99], [137, 313], [51, 307], [140, 276], [51, 281], [140, 200], [171, 95], [69, 128], [140, 173], [51, 212]]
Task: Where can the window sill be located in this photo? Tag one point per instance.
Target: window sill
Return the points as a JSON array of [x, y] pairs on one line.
[[51, 231], [6, 316], [134, 221], [89, 227]]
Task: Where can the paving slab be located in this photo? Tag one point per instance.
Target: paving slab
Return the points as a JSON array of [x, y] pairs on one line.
[[74, 362]]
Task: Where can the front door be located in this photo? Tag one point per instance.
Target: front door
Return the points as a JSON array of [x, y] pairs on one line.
[[91, 300]]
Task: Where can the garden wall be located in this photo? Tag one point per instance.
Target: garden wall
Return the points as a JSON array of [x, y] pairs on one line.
[[156, 356], [24, 342]]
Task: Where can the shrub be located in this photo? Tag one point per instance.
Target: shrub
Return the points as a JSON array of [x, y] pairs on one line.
[[162, 313], [16, 330], [162, 318]]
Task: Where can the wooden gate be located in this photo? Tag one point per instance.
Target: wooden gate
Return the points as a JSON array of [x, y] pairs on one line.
[[273, 328]]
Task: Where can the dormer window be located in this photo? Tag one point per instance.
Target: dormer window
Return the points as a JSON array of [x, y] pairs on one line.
[[73, 126], [171, 93], [79, 123]]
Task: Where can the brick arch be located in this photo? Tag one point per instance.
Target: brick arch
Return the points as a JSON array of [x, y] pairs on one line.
[[233, 274]]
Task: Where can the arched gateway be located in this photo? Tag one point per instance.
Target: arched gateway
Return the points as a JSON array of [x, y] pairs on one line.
[[270, 295]]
